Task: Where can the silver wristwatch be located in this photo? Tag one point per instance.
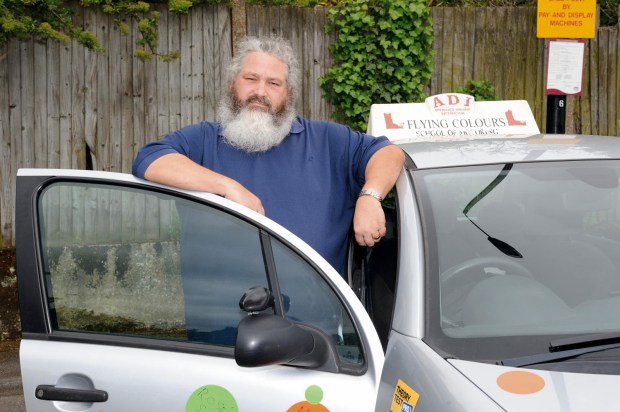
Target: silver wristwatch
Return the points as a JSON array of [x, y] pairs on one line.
[[372, 193]]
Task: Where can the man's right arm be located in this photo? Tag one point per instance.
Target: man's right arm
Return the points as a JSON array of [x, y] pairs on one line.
[[177, 170]]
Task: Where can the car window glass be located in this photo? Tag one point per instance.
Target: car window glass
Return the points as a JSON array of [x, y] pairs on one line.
[[561, 217], [127, 261], [310, 299]]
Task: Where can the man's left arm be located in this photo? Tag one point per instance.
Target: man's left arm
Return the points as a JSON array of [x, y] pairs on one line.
[[381, 172]]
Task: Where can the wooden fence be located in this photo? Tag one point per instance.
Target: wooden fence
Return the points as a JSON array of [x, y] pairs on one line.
[[500, 45], [64, 106]]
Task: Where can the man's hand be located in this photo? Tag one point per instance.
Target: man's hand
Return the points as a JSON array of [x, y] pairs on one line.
[[382, 170], [239, 194], [368, 221]]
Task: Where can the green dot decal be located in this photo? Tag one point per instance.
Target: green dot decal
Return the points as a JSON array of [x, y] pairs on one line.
[[314, 394], [211, 398]]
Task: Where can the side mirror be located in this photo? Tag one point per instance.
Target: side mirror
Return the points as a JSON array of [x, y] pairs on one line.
[[266, 339]]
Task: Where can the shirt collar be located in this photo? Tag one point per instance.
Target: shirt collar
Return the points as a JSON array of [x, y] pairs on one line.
[[296, 127]]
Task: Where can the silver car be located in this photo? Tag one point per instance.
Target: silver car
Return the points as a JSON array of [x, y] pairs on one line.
[[497, 288]]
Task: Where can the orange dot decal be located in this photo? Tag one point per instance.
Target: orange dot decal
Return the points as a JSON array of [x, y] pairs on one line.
[[520, 382]]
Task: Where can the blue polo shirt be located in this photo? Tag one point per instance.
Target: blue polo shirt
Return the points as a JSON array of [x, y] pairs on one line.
[[308, 183]]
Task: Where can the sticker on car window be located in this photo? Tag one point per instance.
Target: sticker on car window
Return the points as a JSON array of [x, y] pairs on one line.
[[211, 398], [314, 396], [405, 398]]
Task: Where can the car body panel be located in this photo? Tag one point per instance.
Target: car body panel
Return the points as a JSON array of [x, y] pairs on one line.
[[408, 318], [139, 379], [439, 385], [523, 389]]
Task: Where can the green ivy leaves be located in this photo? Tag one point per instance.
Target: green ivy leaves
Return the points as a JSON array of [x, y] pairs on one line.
[[382, 54], [53, 19], [482, 90]]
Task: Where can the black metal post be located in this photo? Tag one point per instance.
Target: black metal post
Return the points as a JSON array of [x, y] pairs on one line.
[[556, 114]]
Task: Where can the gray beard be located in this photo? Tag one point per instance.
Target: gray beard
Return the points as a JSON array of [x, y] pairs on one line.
[[254, 130]]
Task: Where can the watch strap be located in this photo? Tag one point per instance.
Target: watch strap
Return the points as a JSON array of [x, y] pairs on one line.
[[371, 193]]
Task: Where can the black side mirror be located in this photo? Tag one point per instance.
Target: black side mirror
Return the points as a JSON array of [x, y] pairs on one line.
[[265, 339]]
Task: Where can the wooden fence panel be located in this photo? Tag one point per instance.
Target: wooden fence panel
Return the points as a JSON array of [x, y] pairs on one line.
[[7, 173], [513, 86], [41, 133], [603, 83], [78, 96], [438, 26], [64, 106], [13, 138], [613, 102], [447, 58], [86, 156], [581, 109], [54, 87], [147, 104], [534, 69], [459, 49], [174, 25], [479, 22], [223, 47], [594, 86], [616, 89], [197, 75], [115, 98], [161, 79], [102, 108], [137, 113], [27, 92], [612, 84], [185, 78]]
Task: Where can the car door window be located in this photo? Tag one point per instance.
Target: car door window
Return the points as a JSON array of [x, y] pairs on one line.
[[130, 261], [127, 261], [310, 299]]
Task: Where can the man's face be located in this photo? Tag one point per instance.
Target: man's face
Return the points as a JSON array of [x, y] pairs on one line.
[[261, 83]]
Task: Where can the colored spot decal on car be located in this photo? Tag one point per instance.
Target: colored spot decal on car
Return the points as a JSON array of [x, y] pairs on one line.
[[520, 382], [405, 398], [314, 396], [211, 398]]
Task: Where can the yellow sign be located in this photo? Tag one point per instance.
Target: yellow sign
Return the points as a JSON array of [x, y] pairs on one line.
[[566, 19], [405, 398]]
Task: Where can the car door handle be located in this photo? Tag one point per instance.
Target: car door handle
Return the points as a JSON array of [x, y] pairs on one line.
[[52, 393]]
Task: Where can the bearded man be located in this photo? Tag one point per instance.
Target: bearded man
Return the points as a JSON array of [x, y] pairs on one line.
[[313, 177]]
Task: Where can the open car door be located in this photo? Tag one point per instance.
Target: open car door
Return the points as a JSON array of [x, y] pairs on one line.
[[131, 299]]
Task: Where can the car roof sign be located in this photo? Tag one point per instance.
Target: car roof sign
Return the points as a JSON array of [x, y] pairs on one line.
[[451, 116]]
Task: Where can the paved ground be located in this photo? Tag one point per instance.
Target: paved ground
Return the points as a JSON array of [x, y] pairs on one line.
[[11, 395]]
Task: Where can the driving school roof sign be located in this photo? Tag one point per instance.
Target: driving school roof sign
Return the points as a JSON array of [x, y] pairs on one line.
[[451, 116]]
